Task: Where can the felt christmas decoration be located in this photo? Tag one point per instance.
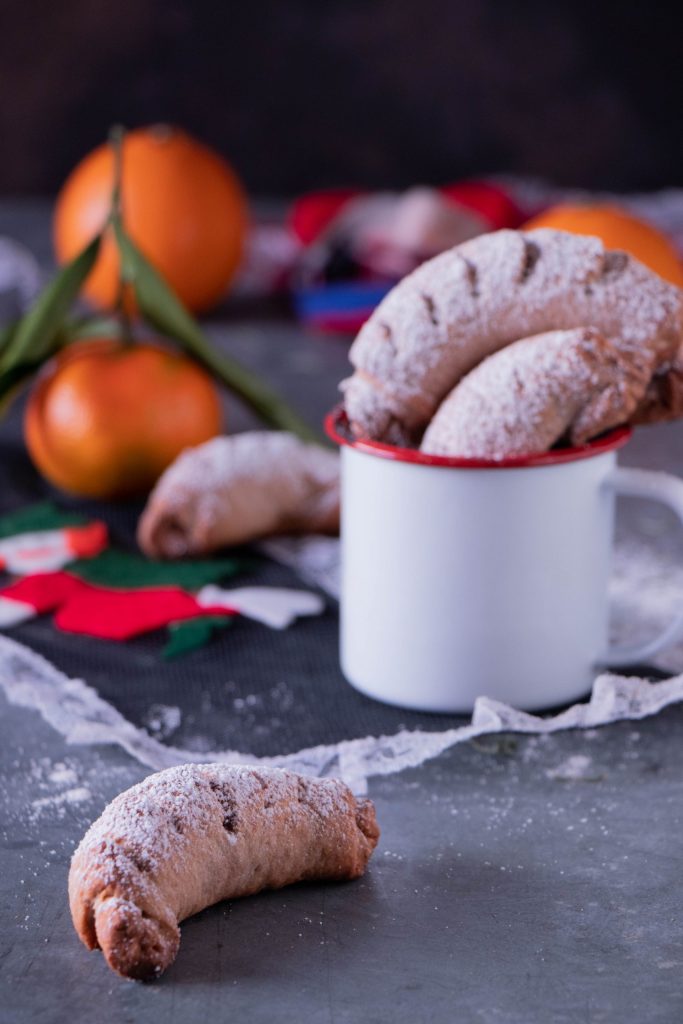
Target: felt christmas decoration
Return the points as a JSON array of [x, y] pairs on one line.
[[356, 245], [112, 594], [276, 607], [127, 569], [121, 614], [311, 214], [43, 537], [43, 515], [490, 203], [51, 549], [36, 595], [339, 306], [191, 634]]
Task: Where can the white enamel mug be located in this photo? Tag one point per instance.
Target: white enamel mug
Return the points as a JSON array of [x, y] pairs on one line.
[[463, 578]]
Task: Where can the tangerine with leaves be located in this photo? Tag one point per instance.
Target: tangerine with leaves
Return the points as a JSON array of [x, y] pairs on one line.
[[182, 204], [617, 229], [105, 418]]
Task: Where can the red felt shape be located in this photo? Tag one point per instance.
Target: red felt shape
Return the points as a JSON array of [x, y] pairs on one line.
[[123, 614], [312, 213], [87, 541], [490, 201], [44, 591], [104, 612]]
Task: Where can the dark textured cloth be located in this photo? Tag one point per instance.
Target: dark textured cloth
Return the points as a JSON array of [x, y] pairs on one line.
[[251, 689]]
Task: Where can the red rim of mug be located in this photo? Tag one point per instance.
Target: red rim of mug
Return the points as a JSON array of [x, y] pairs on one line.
[[336, 428]]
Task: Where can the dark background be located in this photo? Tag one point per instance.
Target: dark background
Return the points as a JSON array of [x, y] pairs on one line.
[[304, 93]]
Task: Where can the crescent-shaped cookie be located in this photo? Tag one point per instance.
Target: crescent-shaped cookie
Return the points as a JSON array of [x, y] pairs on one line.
[[190, 836], [232, 490], [457, 309], [532, 393]]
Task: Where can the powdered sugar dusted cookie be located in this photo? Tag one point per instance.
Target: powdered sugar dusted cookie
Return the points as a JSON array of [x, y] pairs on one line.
[[235, 489], [190, 836], [464, 305], [527, 396], [663, 399]]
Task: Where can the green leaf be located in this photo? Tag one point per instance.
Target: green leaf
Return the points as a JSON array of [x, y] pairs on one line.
[[37, 334], [6, 335], [166, 313], [14, 379]]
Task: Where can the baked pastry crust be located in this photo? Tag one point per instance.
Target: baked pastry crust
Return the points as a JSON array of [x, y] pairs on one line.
[[464, 305], [235, 489], [523, 399], [663, 399], [192, 835]]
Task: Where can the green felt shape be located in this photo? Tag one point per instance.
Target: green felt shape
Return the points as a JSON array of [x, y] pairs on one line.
[[126, 570], [191, 634], [42, 516]]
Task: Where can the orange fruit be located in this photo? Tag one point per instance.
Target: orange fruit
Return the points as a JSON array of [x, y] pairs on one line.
[[182, 204], [105, 419], [618, 230]]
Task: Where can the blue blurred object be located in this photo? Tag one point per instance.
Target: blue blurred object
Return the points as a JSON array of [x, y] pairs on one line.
[[339, 306]]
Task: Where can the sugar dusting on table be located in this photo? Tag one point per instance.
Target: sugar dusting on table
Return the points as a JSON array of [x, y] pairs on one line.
[[575, 767]]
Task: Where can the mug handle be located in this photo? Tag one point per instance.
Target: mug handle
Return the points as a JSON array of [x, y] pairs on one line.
[[667, 489]]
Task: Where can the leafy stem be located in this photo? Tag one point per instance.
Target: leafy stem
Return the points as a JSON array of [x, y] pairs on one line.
[[116, 137], [163, 310], [36, 336]]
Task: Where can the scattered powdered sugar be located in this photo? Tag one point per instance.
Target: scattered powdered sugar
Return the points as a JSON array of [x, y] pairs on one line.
[[61, 774], [162, 719], [59, 788], [576, 768], [646, 593], [69, 796]]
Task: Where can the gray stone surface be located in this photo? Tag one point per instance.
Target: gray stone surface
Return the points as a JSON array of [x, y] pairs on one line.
[[504, 890], [518, 880]]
